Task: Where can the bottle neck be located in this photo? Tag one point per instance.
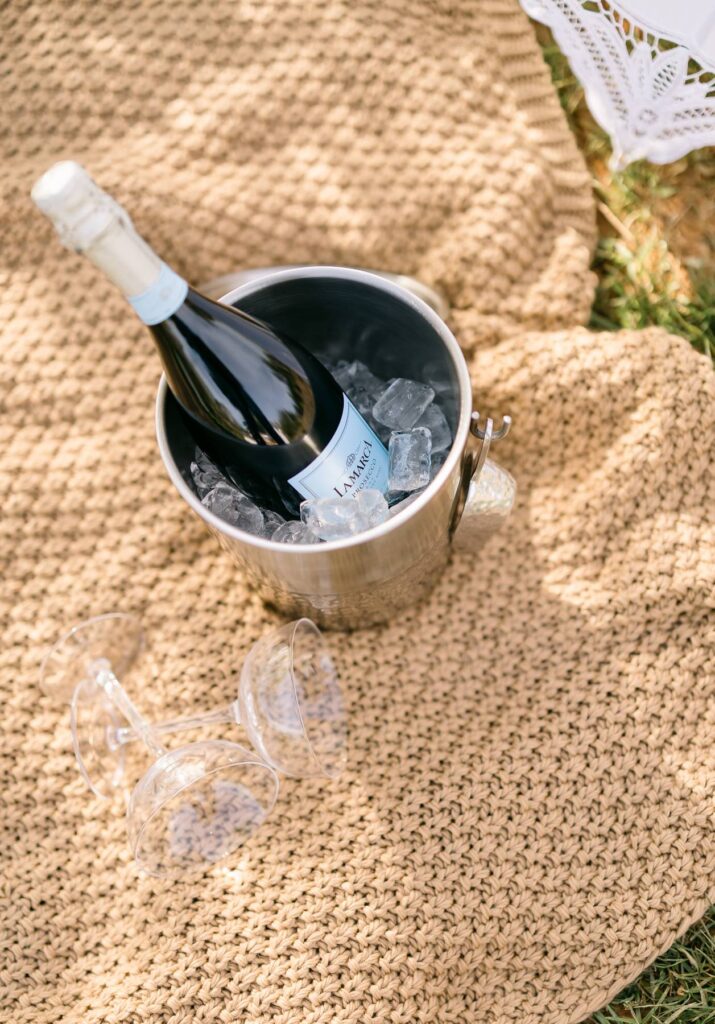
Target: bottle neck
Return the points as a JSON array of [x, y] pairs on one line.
[[151, 287]]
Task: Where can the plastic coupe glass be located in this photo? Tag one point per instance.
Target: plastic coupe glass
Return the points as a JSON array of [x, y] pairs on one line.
[[198, 803]]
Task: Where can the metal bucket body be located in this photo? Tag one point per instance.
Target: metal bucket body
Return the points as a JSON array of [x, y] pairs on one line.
[[338, 313]]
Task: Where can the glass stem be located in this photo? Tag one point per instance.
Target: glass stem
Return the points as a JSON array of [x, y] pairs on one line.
[[129, 734], [103, 675]]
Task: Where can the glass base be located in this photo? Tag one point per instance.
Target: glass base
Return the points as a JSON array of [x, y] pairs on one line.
[[94, 720], [116, 637]]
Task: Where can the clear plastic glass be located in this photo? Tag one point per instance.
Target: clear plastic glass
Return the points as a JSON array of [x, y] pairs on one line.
[[116, 636], [290, 702], [101, 764], [198, 803]]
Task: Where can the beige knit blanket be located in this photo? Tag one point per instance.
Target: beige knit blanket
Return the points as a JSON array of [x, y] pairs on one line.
[[527, 817]]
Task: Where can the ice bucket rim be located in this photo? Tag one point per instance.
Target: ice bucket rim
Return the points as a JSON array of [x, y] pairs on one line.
[[390, 525]]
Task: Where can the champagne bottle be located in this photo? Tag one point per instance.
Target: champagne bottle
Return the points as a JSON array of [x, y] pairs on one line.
[[259, 403]]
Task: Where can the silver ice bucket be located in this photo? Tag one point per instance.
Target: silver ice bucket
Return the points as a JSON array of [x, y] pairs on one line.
[[343, 313]]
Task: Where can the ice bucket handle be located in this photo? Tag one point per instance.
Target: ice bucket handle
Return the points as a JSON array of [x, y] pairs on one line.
[[474, 459], [487, 436]]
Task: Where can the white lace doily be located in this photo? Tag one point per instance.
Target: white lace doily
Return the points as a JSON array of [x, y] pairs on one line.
[[647, 68]]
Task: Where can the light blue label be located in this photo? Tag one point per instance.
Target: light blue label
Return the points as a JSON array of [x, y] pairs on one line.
[[163, 299], [354, 460]]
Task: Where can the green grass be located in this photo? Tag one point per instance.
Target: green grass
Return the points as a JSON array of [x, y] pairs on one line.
[[655, 263], [629, 295], [679, 986], [655, 259]]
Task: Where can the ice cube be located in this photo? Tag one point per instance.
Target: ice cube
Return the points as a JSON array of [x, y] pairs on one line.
[[405, 503], [331, 518], [204, 473], [410, 463], [380, 429], [355, 376], [372, 507], [342, 373], [438, 460], [362, 400], [294, 532], [233, 507], [435, 371], [363, 388], [271, 522], [366, 379], [436, 422], [402, 404]]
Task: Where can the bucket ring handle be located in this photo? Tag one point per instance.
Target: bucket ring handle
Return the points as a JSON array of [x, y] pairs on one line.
[[473, 463], [486, 435]]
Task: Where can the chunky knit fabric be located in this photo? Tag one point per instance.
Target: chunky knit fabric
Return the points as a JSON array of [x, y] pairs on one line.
[[526, 819]]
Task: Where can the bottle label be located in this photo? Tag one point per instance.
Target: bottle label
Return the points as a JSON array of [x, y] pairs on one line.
[[162, 299], [353, 461]]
